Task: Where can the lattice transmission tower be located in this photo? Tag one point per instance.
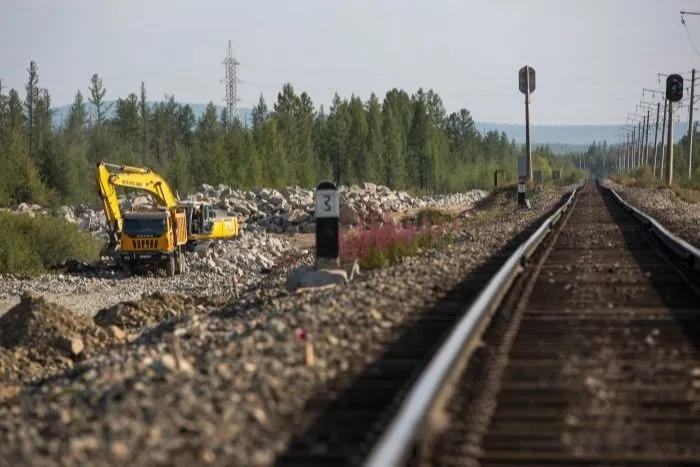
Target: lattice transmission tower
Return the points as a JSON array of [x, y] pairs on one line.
[[231, 81]]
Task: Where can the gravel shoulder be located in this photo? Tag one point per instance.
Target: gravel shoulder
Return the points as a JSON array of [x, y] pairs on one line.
[[86, 294], [80, 303], [228, 387], [678, 216]]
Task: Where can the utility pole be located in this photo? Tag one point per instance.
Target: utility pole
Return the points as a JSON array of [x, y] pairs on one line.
[[526, 85], [646, 139], [674, 93], [690, 124], [640, 140], [655, 91], [528, 144], [646, 119], [669, 150], [630, 147], [656, 133], [634, 148], [663, 138], [621, 156]]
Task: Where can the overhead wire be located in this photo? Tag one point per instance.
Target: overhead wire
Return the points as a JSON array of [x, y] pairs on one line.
[[690, 38]]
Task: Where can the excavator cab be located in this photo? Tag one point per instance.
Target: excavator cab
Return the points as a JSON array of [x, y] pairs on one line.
[[208, 215], [203, 219]]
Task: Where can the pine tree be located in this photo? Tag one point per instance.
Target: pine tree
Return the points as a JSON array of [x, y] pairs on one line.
[[401, 140]]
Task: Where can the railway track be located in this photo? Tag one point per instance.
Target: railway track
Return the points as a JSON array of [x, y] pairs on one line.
[[344, 429], [582, 349]]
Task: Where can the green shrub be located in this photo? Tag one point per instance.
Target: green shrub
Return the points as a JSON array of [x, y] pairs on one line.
[[572, 175], [644, 177], [30, 245]]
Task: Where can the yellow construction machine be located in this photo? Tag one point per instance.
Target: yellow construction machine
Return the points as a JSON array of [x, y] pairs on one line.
[[156, 238]]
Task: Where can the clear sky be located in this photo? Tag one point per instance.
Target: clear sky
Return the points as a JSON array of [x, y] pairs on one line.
[[592, 57]]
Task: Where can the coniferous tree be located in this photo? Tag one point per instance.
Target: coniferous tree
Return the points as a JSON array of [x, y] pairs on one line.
[[405, 141]]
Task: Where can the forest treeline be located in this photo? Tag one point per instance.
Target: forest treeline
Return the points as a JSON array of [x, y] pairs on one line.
[[602, 159], [403, 141]]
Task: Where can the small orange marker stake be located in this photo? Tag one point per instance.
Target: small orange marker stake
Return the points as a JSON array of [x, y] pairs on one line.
[[235, 286], [305, 337]]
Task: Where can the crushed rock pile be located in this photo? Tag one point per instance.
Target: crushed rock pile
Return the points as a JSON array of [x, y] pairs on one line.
[[254, 252], [262, 211], [38, 337], [291, 209], [288, 210]]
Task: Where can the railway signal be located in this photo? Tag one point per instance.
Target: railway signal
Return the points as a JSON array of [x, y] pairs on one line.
[[674, 87], [674, 93]]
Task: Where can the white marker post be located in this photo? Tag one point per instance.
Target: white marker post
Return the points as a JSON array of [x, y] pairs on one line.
[[522, 177], [327, 204]]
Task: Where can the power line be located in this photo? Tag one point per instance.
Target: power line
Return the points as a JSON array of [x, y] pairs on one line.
[[685, 26]]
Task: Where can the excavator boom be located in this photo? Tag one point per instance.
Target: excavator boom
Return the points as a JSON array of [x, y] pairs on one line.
[[141, 179], [110, 202]]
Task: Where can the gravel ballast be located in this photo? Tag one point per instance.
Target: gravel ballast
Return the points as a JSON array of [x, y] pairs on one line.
[[227, 388], [269, 220], [678, 216], [246, 259]]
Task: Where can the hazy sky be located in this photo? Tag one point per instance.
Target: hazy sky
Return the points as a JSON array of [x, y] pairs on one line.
[[592, 57]]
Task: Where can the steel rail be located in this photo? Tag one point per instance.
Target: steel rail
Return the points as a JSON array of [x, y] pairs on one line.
[[396, 443], [680, 247]]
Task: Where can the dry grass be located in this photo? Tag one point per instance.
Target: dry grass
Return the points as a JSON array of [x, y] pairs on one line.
[[641, 177], [689, 195], [644, 178]]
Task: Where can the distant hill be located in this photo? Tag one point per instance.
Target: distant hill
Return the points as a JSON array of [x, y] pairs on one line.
[[560, 138]]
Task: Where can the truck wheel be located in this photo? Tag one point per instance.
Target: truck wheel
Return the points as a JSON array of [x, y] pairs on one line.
[[170, 266], [126, 268]]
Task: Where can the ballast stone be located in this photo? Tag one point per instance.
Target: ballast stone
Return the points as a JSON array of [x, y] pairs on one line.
[[324, 277], [307, 276]]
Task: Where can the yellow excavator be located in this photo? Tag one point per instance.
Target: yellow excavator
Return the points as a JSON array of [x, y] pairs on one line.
[[156, 238]]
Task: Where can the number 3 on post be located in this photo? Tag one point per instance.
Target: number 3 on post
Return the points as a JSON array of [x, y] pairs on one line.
[[327, 203]]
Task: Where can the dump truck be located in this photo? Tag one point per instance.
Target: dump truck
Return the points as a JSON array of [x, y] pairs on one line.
[[155, 238]]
